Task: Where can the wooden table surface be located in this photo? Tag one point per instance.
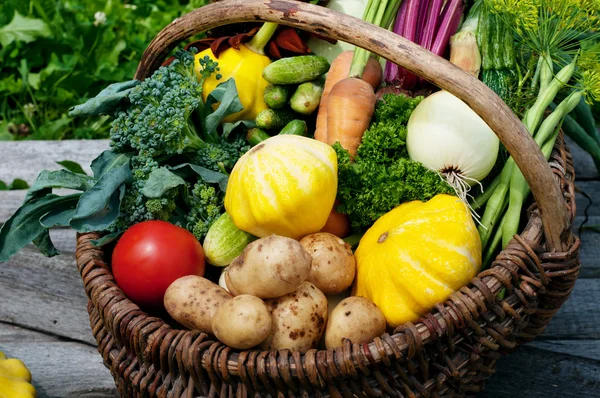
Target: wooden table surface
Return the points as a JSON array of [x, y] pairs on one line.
[[43, 318]]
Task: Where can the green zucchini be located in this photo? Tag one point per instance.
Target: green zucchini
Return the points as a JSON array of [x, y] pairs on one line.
[[294, 70], [224, 241], [295, 127], [500, 81], [276, 95], [307, 97], [274, 118]]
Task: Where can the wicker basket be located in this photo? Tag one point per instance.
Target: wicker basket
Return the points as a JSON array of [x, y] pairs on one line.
[[449, 352]]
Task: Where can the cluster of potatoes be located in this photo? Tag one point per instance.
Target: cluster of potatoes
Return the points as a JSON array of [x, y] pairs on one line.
[[273, 296]]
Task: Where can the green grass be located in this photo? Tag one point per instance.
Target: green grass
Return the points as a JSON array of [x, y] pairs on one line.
[[56, 54]]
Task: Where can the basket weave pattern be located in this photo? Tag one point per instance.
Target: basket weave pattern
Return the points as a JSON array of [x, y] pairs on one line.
[[449, 352]]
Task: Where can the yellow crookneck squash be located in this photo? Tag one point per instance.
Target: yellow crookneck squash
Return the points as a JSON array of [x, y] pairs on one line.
[[286, 185], [245, 65], [15, 379], [416, 256]]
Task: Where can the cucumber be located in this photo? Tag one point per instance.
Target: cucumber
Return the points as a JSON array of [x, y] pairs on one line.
[[294, 70], [274, 118], [224, 241], [307, 97], [295, 127], [255, 136], [276, 96], [500, 81]]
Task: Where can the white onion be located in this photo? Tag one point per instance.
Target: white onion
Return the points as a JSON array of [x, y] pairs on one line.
[[449, 137]]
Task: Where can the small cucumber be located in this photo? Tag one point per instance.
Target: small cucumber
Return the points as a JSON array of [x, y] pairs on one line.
[[294, 70], [274, 118], [307, 97], [295, 127], [276, 96], [255, 136], [224, 241]]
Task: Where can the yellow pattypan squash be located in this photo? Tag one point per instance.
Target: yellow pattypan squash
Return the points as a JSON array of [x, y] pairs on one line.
[[416, 255], [245, 67], [286, 185], [15, 379]]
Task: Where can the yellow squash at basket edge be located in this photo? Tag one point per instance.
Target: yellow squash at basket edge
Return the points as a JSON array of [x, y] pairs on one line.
[[286, 185], [245, 67], [15, 379], [416, 256]]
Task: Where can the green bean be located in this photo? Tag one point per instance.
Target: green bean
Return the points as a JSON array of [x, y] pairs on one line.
[[482, 198], [578, 134], [492, 248], [535, 114], [545, 72], [585, 118], [519, 189], [494, 207]]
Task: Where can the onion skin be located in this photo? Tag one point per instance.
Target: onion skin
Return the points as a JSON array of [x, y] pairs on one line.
[[447, 136]]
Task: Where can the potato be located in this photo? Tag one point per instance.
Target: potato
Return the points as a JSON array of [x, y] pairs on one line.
[[269, 267], [242, 322], [355, 318], [192, 301], [334, 300], [333, 264], [299, 319]]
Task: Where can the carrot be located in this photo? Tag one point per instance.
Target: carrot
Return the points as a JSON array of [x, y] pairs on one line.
[[339, 70], [337, 223], [350, 108]]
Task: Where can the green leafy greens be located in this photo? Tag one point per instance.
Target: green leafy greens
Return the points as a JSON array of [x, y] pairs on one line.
[[167, 162], [59, 53], [381, 176]]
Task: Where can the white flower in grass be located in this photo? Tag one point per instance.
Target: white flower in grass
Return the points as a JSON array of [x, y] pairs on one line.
[[29, 109], [99, 18]]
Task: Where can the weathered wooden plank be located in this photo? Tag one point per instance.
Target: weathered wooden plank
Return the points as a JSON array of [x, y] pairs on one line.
[[579, 317], [589, 349], [10, 201], [591, 188], [536, 373], [58, 368], [584, 166], [25, 159], [590, 246], [44, 294]]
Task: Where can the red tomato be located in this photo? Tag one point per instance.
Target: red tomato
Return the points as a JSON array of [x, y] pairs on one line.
[[150, 256]]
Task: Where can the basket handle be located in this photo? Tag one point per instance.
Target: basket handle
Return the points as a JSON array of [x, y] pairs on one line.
[[397, 49]]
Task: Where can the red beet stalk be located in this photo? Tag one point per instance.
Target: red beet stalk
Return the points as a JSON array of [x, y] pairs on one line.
[[428, 23]]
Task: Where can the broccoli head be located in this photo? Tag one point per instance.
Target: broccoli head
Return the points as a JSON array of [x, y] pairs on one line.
[[158, 120], [206, 205], [135, 207], [221, 156]]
